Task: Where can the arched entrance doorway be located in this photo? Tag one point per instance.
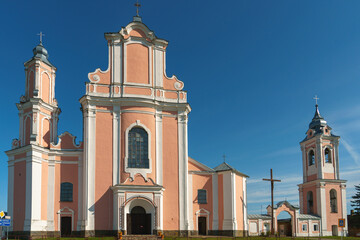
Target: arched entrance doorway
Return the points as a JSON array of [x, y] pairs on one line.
[[284, 224], [139, 216], [138, 221]]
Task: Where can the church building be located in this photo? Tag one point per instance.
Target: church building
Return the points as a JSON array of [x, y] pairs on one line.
[[131, 173], [322, 194]]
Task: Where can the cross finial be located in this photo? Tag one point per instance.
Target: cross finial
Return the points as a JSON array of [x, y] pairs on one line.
[[224, 156], [316, 99], [137, 5], [41, 35]]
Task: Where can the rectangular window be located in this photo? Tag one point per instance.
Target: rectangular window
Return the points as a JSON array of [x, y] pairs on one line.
[[66, 192], [304, 228], [316, 227], [202, 196]]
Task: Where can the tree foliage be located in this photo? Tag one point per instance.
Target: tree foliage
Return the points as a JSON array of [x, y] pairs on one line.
[[355, 203]]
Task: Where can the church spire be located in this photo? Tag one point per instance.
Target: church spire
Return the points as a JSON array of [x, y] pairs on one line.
[[318, 121]]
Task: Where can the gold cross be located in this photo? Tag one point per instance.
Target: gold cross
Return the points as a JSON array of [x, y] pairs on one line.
[[137, 5]]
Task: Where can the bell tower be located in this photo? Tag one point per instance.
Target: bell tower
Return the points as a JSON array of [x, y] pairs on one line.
[[322, 192], [38, 109]]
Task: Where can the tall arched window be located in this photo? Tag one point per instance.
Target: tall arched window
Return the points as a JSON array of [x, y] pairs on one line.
[[333, 201], [66, 192], [138, 148], [327, 155], [310, 202], [311, 158]]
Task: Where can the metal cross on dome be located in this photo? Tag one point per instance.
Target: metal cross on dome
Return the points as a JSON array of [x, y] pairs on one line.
[[137, 5], [224, 156], [316, 99], [41, 35]]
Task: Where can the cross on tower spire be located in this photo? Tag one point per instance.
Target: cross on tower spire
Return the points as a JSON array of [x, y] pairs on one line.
[[316, 99], [272, 180], [137, 5], [41, 35], [224, 156]]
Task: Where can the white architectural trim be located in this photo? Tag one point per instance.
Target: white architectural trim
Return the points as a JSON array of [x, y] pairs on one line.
[[89, 168], [202, 213], [233, 196], [33, 220], [133, 171], [183, 171], [65, 211], [159, 148], [245, 204], [215, 201], [116, 144], [343, 207], [51, 194]]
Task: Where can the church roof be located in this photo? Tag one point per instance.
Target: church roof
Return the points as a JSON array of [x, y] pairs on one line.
[[41, 53], [259, 216], [226, 167], [318, 121], [309, 216], [279, 204]]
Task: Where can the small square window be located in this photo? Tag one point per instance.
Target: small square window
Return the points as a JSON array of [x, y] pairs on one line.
[[202, 196], [304, 228]]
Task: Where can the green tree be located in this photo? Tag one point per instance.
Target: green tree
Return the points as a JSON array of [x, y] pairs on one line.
[[356, 200]]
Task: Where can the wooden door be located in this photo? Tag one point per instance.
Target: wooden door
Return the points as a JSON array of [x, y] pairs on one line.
[[202, 225]]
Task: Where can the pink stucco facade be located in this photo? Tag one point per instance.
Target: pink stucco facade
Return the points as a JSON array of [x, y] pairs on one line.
[[133, 158]]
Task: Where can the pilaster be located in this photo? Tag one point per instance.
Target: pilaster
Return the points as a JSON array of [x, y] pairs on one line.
[[116, 144], [159, 148], [89, 168], [51, 194], [215, 196], [10, 203], [183, 171]]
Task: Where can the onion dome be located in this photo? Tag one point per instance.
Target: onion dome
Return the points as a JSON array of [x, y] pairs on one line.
[[41, 53], [318, 121]]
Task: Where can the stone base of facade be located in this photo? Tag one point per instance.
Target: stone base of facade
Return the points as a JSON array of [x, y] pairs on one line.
[[230, 233], [33, 234]]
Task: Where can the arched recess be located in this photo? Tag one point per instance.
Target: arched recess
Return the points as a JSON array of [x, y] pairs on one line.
[[145, 203], [30, 84], [333, 201], [27, 130], [45, 87], [310, 202], [46, 132], [311, 157]]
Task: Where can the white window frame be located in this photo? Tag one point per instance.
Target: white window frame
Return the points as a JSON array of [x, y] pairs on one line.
[[133, 171], [206, 198]]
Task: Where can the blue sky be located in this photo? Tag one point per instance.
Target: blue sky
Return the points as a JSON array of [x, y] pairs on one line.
[[251, 69]]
